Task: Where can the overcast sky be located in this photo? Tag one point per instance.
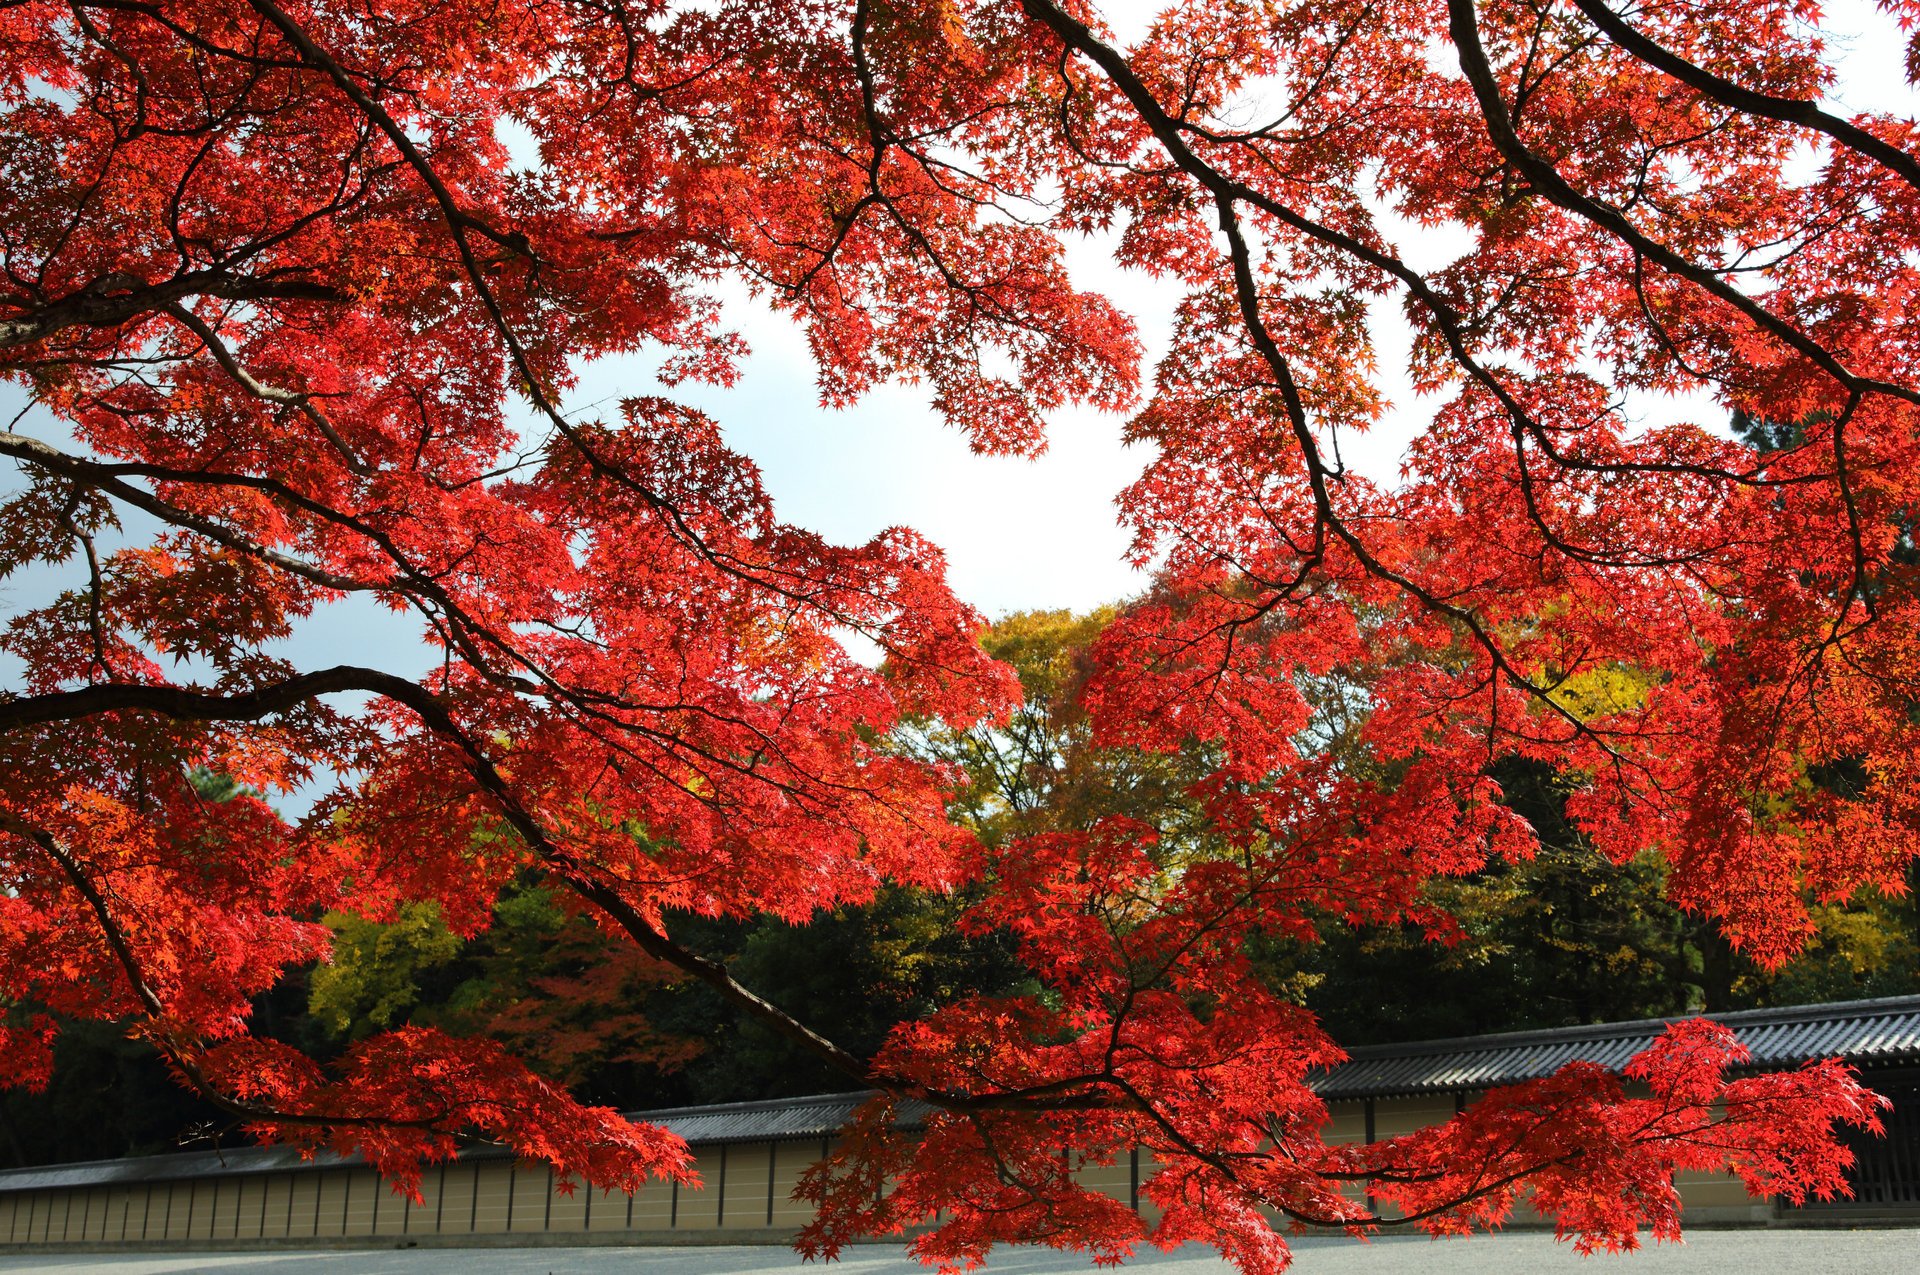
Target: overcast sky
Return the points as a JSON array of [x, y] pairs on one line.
[[1019, 533]]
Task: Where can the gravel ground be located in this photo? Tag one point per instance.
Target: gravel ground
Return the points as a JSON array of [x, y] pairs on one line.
[[1733, 1252]]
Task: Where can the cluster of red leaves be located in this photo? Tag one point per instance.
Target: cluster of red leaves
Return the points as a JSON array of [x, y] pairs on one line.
[[1601, 1162], [396, 1098], [276, 281], [1234, 1155]]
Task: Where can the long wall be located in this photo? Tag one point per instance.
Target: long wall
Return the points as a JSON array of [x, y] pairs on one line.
[[747, 1189]]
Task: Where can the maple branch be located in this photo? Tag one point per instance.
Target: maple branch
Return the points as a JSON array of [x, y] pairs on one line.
[[110, 478], [1450, 323], [190, 705], [114, 299], [461, 630], [116, 937], [185, 704], [302, 402], [96, 611], [1226, 193], [1463, 25], [1788, 110], [187, 35], [178, 1051], [410, 581]]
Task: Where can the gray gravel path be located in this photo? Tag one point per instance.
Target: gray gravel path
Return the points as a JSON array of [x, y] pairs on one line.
[[1741, 1252]]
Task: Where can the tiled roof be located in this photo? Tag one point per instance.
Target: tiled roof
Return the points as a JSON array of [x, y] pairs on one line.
[[181, 1165], [819, 1116], [1867, 1033]]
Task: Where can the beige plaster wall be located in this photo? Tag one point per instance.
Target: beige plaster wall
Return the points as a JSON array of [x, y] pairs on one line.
[[499, 1197]]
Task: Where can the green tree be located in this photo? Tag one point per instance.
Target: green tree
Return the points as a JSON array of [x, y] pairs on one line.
[[541, 978]]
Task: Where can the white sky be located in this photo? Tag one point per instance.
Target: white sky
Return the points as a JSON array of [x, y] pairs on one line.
[[1019, 533]]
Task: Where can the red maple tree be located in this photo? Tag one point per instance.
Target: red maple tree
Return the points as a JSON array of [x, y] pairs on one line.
[[278, 290]]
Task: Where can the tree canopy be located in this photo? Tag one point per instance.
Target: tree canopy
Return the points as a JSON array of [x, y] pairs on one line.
[[295, 323]]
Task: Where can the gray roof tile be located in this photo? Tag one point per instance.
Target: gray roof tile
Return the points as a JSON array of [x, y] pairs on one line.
[[1866, 1033], [776, 1119]]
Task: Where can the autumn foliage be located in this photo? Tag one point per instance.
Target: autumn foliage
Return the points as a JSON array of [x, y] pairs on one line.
[[295, 322]]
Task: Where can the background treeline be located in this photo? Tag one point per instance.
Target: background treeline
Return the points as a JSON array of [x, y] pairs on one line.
[[1564, 938]]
